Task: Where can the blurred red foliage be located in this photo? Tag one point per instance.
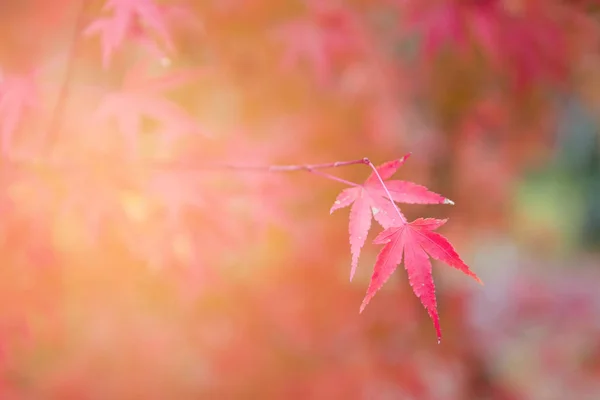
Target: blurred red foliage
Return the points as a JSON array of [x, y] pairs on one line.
[[128, 272]]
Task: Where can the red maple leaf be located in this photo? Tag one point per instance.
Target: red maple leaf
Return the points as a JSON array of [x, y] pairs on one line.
[[513, 37], [143, 97], [321, 39], [415, 240], [371, 198], [18, 95], [143, 21]]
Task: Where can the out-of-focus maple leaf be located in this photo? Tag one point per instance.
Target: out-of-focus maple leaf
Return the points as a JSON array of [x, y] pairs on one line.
[[144, 97], [440, 24], [415, 240], [525, 41], [18, 94], [371, 198], [320, 38], [134, 19]]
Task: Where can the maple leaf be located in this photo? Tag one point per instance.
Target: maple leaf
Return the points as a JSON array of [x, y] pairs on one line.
[[18, 94], [370, 200], [415, 240], [143, 97], [133, 19], [513, 37], [320, 38], [439, 24]]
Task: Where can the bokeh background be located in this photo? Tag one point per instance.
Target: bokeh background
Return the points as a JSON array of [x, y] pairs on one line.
[[133, 266]]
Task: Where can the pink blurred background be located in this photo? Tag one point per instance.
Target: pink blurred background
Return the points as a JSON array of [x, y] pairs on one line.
[[128, 270]]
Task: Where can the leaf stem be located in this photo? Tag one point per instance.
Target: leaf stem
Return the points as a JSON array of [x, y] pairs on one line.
[[387, 192], [282, 168], [312, 168], [333, 177]]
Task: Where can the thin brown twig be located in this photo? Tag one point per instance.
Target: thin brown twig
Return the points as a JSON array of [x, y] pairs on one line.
[[248, 168]]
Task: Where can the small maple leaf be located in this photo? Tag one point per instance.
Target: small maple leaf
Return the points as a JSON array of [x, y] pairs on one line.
[[439, 24], [134, 19], [513, 36], [142, 97], [18, 95], [371, 199], [415, 240], [320, 39]]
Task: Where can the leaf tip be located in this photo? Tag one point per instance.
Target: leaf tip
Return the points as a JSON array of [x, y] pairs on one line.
[[474, 276], [336, 205], [352, 271], [364, 304], [402, 159], [438, 329]]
